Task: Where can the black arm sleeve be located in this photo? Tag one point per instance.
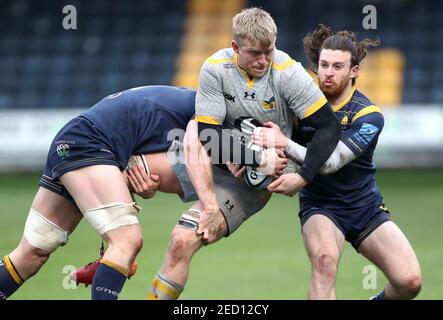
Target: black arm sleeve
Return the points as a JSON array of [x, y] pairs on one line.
[[325, 139], [225, 147]]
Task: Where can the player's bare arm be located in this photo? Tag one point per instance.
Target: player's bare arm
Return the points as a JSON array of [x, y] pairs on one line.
[[198, 166], [271, 132]]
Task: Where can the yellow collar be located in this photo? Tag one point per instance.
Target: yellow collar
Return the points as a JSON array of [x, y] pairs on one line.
[[340, 105]]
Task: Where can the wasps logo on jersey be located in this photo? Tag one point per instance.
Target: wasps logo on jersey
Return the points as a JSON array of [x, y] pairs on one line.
[[269, 105]]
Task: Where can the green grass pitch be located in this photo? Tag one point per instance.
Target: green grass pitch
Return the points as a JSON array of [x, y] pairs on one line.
[[264, 259]]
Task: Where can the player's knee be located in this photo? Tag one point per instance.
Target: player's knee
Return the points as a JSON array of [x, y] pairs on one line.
[[411, 285], [183, 243], [119, 224], [131, 245], [127, 241], [325, 265], [184, 240]]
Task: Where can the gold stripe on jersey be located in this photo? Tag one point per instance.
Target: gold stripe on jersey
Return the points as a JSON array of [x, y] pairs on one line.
[[206, 119], [217, 61], [317, 105], [365, 111], [281, 67], [340, 105]]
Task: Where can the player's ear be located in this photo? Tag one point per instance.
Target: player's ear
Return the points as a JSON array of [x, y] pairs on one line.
[[354, 71], [234, 46]]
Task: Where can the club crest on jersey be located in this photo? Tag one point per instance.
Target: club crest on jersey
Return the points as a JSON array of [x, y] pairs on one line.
[[63, 150], [344, 121], [268, 105], [249, 95]]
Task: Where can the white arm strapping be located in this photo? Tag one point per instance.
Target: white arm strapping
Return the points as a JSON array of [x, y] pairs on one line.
[[341, 156]]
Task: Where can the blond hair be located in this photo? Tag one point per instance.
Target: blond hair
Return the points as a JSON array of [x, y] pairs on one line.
[[254, 24]]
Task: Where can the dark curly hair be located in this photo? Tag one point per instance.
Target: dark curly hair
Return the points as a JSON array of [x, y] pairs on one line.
[[324, 38]]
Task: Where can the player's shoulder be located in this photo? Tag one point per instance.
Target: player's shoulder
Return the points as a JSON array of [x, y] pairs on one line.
[[284, 63], [363, 107], [360, 99], [221, 58]]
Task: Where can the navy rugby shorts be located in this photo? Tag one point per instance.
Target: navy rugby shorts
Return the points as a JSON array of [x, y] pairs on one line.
[[356, 224], [78, 144]]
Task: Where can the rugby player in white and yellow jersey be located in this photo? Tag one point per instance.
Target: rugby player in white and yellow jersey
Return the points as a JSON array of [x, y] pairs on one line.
[[251, 79]]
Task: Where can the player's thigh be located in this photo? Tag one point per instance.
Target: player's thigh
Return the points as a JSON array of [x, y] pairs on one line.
[[322, 237], [95, 186], [220, 221], [237, 201], [389, 249], [57, 209]]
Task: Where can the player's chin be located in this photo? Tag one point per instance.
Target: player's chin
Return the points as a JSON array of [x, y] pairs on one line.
[[259, 72], [329, 90]]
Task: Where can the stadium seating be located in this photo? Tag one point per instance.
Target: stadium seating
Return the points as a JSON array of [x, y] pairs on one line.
[[117, 45], [122, 44], [413, 28]]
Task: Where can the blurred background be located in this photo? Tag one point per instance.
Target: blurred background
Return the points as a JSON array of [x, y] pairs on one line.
[[58, 58]]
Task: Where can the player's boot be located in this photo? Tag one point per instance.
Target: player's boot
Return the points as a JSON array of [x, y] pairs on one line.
[[86, 273]]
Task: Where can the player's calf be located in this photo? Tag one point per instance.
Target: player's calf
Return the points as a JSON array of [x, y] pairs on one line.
[[169, 283], [10, 280], [118, 224], [86, 273], [41, 238]]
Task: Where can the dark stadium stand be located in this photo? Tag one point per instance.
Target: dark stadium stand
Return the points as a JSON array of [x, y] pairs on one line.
[[122, 44], [413, 27], [118, 45]]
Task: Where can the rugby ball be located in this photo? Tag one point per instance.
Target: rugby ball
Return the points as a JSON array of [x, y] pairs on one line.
[[255, 179]]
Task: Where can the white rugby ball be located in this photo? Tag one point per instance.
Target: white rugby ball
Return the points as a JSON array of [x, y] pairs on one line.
[[255, 179]]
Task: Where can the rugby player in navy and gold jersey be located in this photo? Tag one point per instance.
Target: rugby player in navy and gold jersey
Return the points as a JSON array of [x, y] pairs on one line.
[[251, 79], [84, 177], [345, 203]]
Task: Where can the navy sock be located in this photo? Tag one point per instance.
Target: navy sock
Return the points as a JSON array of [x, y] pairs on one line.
[[380, 296], [108, 281], [10, 280]]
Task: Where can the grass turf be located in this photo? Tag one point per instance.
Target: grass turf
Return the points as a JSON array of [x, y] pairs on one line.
[[264, 259]]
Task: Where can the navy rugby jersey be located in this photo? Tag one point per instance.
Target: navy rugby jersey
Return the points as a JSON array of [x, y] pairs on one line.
[[138, 120], [353, 186]]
